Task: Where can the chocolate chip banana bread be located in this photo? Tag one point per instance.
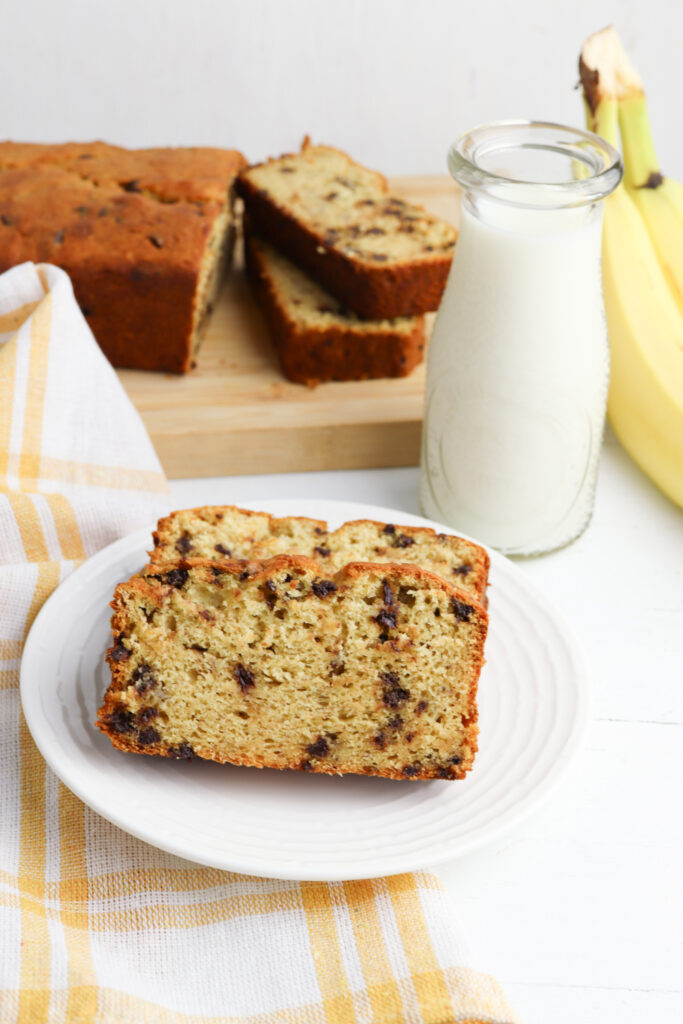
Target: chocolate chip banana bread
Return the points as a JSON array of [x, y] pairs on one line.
[[224, 531], [144, 235], [316, 337], [371, 670], [379, 255]]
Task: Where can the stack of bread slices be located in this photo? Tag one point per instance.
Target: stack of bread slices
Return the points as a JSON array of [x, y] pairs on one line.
[[343, 270], [279, 643]]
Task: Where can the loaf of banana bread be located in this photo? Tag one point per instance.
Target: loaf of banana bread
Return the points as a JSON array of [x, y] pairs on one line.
[[225, 531], [144, 235], [371, 670], [316, 337], [379, 255]]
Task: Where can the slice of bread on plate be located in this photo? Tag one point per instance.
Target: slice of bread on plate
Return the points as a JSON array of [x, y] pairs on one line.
[[225, 531], [370, 670]]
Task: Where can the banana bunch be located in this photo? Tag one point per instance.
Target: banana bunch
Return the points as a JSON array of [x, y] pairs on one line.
[[642, 271]]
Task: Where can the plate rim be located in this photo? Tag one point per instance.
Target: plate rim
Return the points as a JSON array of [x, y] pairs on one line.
[[329, 509]]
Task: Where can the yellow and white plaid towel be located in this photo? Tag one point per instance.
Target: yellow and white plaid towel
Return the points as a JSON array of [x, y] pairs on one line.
[[96, 926]]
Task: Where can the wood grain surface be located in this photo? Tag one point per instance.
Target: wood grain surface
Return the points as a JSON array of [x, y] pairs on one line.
[[236, 414]]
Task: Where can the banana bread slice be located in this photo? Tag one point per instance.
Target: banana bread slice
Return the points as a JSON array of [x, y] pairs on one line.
[[145, 236], [224, 531], [379, 255], [372, 670], [317, 339]]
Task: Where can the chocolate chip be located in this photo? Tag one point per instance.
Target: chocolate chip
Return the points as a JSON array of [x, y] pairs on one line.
[[375, 231], [429, 248], [409, 737], [462, 570], [82, 209], [388, 594], [321, 588], [420, 707], [58, 237], [222, 550], [386, 618], [319, 748], [393, 694], [121, 720], [148, 735], [217, 573], [331, 195], [456, 759], [389, 528], [184, 543], [7, 221], [271, 593], [402, 541], [411, 770], [146, 715], [244, 677], [157, 242], [461, 610], [119, 652], [337, 667], [285, 170], [198, 647], [380, 740], [131, 186], [244, 575], [103, 211], [184, 751], [437, 612], [144, 678], [177, 577], [319, 530], [379, 257], [395, 723], [86, 156], [445, 773], [323, 551]]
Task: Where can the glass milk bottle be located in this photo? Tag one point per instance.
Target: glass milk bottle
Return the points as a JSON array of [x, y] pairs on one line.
[[518, 362]]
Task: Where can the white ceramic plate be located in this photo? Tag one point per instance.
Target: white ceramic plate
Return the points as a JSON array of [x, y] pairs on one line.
[[532, 712]]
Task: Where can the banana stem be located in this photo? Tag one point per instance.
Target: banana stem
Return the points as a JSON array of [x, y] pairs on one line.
[[604, 120], [641, 167]]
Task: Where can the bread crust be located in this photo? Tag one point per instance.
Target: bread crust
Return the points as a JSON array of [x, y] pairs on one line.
[[314, 355], [132, 228], [152, 587]]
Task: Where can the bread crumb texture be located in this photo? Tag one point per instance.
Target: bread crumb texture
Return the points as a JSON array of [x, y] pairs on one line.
[[225, 531], [372, 669]]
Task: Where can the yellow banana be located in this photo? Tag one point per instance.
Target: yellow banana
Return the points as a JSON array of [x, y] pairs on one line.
[[645, 402]]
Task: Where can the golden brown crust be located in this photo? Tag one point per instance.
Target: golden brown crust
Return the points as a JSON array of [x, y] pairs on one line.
[[313, 355], [378, 292], [154, 587], [130, 227]]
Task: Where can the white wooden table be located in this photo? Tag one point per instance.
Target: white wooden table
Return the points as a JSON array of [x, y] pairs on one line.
[[578, 912]]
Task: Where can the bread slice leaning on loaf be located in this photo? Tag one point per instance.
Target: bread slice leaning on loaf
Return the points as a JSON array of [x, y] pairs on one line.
[[225, 531], [317, 339], [379, 255], [371, 670]]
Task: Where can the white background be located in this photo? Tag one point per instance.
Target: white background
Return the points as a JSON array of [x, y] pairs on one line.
[[392, 81]]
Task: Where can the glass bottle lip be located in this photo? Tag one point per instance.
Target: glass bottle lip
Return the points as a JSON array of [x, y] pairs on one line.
[[597, 163]]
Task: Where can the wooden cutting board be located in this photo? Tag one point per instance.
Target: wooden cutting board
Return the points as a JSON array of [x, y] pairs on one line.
[[235, 413]]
